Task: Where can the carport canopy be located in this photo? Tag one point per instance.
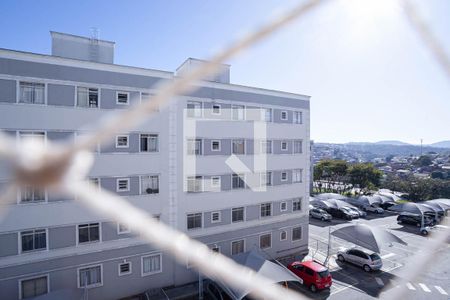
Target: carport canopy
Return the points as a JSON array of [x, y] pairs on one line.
[[270, 270]]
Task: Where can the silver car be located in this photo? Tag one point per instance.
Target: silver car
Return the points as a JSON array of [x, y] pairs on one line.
[[320, 214], [360, 258]]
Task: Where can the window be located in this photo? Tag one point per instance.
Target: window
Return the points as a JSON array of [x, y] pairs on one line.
[[123, 185], [284, 115], [194, 221], [195, 184], [266, 179], [284, 176], [37, 136], [33, 287], [149, 143], [309, 271], [283, 206], [215, 145], [284, 146], [88, 233], [32, 92], [124, 268], [265, 241], [32, 240], [90, 277], [296, 233], [298, 117], [237, 247], [267, 114], [298, 146], [215, 183], [122, 141], [266, 147], [283, 235], [238, 146], [150, 184], [30, 194], [216, 217], [237, 181], [297, 175], [237, 214], [151, 264], [123, 98], [87, 97], [194, 109], [297, 204], [266, 210], [123, 228], [194, 146], [215, 248], [238, 112], [216, 109]]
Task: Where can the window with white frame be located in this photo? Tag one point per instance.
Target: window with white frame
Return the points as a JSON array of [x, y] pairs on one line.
[[298, 117], [238, 112], [237, 214], [266, 178], [194, 146], [238, 146], [284, 176], [265, 241], [123, 185], [149, 143], [124, 268], [29, 194], [88, 233], [33, 240], [283, 235], [31, 92], [87, 97], [215, 183], [237, 247], [215, 145], [283, 206], [33, 287], [122, 141], [194, 221], [194, 184], [35, 136], [267, 114], [123, 98], [284, 146], [266, 210], [216, 109], [151, 264], [237, 181], [297, 204], [123, 228], [266, 146], [150, 184], [296, 233], [194, 109], [216, 217], [90, 277], [284, 115], [298, 146], [297, 175]]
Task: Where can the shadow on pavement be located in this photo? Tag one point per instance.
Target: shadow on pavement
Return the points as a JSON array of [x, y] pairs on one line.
[[323, 294], [333, 222]]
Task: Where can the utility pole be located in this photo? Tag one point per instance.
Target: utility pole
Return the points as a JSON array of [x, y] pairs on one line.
[[421, 146]]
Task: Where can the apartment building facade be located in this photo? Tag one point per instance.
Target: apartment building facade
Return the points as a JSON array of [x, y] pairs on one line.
[[49, 243]]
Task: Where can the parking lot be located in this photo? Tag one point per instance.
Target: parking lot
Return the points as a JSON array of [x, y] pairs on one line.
[[351, 282]]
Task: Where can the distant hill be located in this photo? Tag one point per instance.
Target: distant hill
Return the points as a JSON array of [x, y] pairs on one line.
[[394, 143], [442, 144]]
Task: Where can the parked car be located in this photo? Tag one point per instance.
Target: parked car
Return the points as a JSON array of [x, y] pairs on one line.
[[214, 291], [342, 213], [414, 219], [320, 214], [314, 275], [373, 208], [360, 258], [387, 205], [362, 214], [352, 211]]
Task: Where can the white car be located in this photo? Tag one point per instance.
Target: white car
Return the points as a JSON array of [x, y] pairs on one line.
[[360, 258], [374, 209]]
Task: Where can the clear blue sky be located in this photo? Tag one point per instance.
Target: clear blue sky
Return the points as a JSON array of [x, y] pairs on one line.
[[369, 75]]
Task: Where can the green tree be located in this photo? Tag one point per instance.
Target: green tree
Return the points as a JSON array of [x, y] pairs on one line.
[[423, 161], [365, 176]]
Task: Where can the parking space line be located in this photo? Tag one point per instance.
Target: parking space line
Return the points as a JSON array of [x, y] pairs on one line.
[[440, 290], [424, 287], [379, 281], [388, 255], [410, 286]]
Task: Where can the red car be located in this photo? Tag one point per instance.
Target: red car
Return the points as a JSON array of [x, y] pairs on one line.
[[314, 275]]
